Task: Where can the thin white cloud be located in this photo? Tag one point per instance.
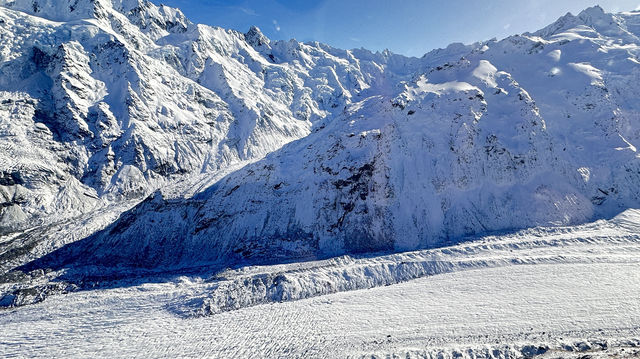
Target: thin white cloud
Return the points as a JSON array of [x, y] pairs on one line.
[[245, 10], [276, 25], [506, 26]]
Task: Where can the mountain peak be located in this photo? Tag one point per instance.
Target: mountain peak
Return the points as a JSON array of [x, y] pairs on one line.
[[592, 11], [256, 38], [595, 16]]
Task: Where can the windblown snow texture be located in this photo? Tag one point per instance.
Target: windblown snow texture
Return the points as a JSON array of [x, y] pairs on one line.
[[271, 151]]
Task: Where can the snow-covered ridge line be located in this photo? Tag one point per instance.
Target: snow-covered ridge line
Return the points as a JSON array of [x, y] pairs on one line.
[[284, 287], [611, 241], [601, 242], [556, 307]]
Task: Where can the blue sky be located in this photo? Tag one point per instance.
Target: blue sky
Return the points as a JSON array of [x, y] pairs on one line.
[[409, 27]]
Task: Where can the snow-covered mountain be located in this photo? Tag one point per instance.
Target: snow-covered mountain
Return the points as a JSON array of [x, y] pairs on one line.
[[104, 100], [271, 151]]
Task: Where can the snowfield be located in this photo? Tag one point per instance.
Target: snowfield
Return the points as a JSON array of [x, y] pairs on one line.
[[557, 292]]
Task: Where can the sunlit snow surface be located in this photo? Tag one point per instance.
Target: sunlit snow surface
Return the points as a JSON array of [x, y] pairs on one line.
[[566, 291]]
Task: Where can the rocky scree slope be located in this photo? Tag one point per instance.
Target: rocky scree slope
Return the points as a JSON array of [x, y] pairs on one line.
[[393, 153]]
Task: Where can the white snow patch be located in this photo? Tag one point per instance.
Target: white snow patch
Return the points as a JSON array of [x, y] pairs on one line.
[[629, 145], [555, 71], [486, 72], [585, 173], [443, 88], [555, 55], [593, 73]]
